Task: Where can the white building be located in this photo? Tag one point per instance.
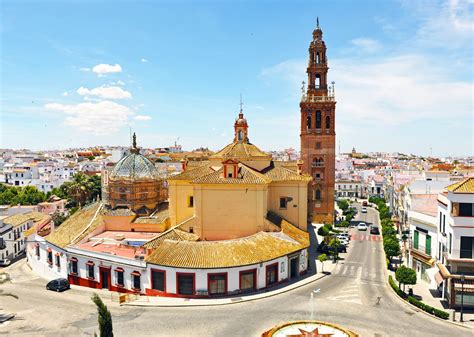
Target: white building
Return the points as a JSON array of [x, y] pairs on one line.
[[456, 241], [349, 188]]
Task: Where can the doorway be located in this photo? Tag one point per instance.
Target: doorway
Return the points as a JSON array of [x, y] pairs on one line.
[[294, 267], [104, 278]]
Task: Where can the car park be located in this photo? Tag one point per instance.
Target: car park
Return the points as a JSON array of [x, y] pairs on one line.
[[362, 226], [59, 284], [374, 230], [5, 262]]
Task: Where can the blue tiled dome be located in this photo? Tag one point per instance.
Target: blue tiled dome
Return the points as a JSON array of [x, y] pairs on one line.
[[134, 166]]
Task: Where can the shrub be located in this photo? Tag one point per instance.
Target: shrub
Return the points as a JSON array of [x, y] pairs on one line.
[[343, 223], [343, 204], [387, 222], [394, 286], [429, 309], [388, 230]]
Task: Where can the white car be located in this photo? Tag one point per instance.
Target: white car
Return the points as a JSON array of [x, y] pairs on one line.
[[5, 262], [364, 210], [362, 226]]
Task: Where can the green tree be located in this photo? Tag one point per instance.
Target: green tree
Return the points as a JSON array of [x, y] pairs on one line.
[[343, 204], [80, 188], [58, 218], [405, 275], [91, 158], [104, 317], [388, 230], [391, 246], [322, 258], [334, 245]]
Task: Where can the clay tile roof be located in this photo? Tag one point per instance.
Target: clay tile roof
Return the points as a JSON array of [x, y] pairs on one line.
[[283, 174], [155, 218], [237, 150], [245, 173], [174, 234], [259, 247], [463, 186], [193, 173], [18, 219], [77, 226]]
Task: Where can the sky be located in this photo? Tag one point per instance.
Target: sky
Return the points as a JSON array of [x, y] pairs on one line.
[[85, 73]]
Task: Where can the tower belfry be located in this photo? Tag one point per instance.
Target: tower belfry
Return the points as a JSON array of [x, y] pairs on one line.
[[318, 137]]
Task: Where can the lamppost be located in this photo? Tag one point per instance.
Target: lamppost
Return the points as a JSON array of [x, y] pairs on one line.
[[463, 278]]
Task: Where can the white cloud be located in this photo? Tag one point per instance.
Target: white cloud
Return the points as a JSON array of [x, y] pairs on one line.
[[144, 60], [122, 83], [142, 118], [105, 92], [85, 69], [366, 45], [65, 93], [101, 118], [102, 69]]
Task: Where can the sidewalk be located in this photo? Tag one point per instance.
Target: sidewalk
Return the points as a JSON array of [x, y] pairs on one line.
[[157, 301]]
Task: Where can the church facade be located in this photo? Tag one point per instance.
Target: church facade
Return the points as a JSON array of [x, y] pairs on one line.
[[318, 135]]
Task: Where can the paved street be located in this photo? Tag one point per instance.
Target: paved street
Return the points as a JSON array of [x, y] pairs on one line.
[[347, 297]]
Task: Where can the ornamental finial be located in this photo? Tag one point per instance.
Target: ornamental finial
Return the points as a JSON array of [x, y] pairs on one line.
[[134, 143], [317, 22]]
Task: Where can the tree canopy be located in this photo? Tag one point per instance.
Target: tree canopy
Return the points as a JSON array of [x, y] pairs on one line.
[[405, 275], [104, 317]]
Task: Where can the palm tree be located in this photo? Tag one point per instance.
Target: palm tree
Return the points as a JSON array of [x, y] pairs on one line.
[[80, 188]]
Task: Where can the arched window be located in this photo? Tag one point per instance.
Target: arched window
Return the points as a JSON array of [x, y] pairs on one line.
[[240, 135], [318, 119], [317, 58], [317, 194], [308, 122], [328, 122], [318, 81], [123, 193]]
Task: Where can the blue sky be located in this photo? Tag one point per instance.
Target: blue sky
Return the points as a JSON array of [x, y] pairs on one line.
[[81, 73]]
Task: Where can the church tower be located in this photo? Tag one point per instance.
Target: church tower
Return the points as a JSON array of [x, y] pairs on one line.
[[318, 136]]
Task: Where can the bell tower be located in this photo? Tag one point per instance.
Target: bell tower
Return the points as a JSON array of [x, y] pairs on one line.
[[318, 136]]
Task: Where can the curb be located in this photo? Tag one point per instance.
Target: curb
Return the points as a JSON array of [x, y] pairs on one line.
[[229, 300]]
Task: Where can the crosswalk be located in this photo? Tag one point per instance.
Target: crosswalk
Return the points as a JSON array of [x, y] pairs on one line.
[[357, 272], [366, 237]]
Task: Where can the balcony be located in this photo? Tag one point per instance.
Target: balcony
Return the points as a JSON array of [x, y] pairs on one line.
[[317, 164], [316, 99]]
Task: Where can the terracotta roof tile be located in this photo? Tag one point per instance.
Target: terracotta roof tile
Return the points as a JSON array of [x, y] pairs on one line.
[[245, 173], [283, 174], [18, 219], [463, 186], [241, 151], [193, 173]]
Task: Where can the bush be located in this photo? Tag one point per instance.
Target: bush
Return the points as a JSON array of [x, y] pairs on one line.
[[429, 309], [386, 222], [343, 224], [388, 230], [343, 204], [394, 286]]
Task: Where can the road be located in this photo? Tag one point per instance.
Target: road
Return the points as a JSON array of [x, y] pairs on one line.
[[347, 297]]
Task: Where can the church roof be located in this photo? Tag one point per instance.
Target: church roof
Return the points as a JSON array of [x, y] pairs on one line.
[[241, 151], [134, 166], [280, 173], [260, 247], [246, 175], [193, 173]]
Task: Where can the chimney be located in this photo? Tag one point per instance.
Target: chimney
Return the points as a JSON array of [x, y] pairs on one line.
[[299, 164], [184, 163]]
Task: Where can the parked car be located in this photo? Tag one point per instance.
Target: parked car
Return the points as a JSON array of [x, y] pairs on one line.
[[374, 230], [364, 210], [362, 226], [364, 203], [59, 284], [5, 262], [343, 239]]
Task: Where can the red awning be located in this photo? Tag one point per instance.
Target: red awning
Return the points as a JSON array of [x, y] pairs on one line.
[[119, 269], [58, 254], [49, 250], [136, 273], [73, 259], [90, 263]]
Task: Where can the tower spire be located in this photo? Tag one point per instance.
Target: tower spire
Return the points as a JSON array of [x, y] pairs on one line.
[[317, 22], [134, 148], [241, 110]]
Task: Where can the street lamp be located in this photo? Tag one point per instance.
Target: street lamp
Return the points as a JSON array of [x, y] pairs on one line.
[[463, 278]]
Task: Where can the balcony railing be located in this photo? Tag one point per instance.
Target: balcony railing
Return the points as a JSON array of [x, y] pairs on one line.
[[317, 164], [314, 99]]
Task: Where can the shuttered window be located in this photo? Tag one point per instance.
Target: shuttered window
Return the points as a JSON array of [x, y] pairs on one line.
[[415, 239]]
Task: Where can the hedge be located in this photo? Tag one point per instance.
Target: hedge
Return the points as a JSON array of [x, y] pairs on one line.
[[399, 292], [429, 309], [425, 307]]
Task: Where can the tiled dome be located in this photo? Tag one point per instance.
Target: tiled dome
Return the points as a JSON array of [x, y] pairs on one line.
[[134, 166]]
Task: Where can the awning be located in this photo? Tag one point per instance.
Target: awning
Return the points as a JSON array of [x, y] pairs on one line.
[[90, 263], [135, 273], [438, 278], [73, 259], [468, 285], [119, 269]]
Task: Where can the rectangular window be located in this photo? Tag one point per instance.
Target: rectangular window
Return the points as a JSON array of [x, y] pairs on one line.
[[272, 274], [119, 277], [73, 266], [439, 251], [428, 245], [217, 284], [185, 284], [136, 280], [444, 223], [90, 270], [466, 209], [158, 280], [50, 257], [467, 246], [416, 235], [450, 242], [247, 280], [440, 222], [58, 261], [283, 203], [191, 201]]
